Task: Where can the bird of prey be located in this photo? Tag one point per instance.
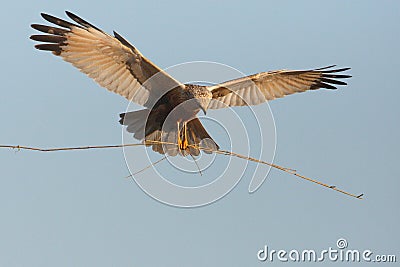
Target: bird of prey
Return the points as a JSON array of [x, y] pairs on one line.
[[118, 66]]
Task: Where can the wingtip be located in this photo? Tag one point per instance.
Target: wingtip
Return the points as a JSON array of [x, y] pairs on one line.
[[117, 35], [40, 47], [44, 15], [47, 17], [327, 67], [70, 14], [81, 21]]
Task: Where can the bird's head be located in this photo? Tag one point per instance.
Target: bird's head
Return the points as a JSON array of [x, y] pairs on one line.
[[201, 95]]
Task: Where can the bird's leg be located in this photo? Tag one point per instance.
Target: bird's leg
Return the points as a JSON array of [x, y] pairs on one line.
[[185, 139], [182, 141], [179, 136]]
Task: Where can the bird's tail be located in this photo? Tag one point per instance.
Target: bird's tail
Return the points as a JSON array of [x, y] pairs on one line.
[[194, 138], [191, 138], [135, 122], [188, 140]]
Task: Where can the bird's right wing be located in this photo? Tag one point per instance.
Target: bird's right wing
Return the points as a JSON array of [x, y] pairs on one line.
[[261, 87], [111, 61]]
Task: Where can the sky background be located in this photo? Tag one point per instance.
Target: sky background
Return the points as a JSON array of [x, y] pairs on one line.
[[77, 209]]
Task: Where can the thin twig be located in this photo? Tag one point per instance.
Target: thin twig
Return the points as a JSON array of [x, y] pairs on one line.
[[148, 166], [18, 147], [222, 152], [195, 162]]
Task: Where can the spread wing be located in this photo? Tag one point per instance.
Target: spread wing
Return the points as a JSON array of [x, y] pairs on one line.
[[265, 86], [111, 61]]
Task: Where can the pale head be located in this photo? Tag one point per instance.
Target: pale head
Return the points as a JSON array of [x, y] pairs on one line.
[[201, 94]]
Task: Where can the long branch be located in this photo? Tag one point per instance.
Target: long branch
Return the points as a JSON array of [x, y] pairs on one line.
[[222, 152]]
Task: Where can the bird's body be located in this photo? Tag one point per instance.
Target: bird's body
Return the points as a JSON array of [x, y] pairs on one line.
[[170, 114], [189, 101]]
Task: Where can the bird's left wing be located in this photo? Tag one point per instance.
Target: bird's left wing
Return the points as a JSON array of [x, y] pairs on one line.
[[111, 61], [265, 86]]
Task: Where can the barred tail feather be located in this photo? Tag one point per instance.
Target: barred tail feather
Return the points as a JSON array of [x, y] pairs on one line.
[[135, 122], [144, 126]]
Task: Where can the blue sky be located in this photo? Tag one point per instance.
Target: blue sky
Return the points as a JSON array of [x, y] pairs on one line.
[[77, 209]]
